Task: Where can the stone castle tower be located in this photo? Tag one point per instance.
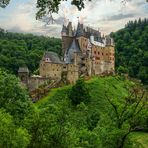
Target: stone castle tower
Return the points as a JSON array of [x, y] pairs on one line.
[[93, 53]]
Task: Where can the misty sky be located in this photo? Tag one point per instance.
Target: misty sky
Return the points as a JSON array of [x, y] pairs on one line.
[[105, 15]]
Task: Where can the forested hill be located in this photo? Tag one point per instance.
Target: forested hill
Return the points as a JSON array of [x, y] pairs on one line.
[[18, 49], [132, 49]]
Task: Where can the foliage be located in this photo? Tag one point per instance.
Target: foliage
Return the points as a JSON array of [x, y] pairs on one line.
[[79, 92], [137, 139], [131, 49], [24, 49], [95, 124], [4, 3], [10, 134], [125, 117], [56, 122], [13, 98]]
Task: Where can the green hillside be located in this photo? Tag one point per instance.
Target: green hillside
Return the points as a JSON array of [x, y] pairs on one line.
[[112, 111], [85, 120]]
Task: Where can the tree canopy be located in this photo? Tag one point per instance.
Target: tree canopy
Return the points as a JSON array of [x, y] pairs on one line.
[[18, 49], [131, 45]]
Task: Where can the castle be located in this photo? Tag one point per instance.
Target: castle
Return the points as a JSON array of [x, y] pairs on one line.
[[85, 53]]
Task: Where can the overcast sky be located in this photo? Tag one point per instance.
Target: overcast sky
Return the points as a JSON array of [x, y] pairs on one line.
[[105, 15]]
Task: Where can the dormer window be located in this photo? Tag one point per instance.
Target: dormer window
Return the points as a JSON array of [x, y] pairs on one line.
[[47, 60]]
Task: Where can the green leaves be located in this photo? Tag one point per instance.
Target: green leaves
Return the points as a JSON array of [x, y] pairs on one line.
[[13, 97], [131, 49], [17, 50], [79, 93], [4, 3], [10, 134]]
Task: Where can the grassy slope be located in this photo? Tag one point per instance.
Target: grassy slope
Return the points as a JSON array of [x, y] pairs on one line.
[[97, 85], [115, 87]]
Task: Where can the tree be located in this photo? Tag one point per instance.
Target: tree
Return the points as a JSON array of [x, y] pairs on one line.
[[131, 49], [50, 127], [10, 134], [4, 3], [79, 92], [124, 117], [122, 70], [13, 97]]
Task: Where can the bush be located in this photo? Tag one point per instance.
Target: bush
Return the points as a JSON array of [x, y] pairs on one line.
[[79, 92]]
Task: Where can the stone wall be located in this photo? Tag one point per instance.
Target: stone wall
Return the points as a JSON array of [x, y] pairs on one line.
[[51, 70], [55, 71], [36, 82]]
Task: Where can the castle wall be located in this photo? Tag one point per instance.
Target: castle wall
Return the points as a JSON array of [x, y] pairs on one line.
[[55, 71], [51, 70], [104, 59], [35, 82]]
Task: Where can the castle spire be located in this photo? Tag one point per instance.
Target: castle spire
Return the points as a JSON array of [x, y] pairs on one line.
[[80, 30], [69, 29], [64, 31]]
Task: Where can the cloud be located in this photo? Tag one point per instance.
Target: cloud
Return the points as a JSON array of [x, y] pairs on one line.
[[120, 16], [107, 15]]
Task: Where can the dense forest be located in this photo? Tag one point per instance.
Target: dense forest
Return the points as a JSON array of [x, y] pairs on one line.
[[24, 49], [132, 49]]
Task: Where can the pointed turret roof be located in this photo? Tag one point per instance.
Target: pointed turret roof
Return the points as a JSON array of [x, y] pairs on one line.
[[23, 69], [80, 30], [64, 29], [75, 46]]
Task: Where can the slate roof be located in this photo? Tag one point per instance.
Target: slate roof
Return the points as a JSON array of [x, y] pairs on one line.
[[53, 57], [64, 29], [23, 69], [74, 48], [80, 31]]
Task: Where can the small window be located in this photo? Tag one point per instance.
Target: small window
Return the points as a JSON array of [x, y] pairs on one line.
[[98, 52], [102, 53], [94, 52]]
